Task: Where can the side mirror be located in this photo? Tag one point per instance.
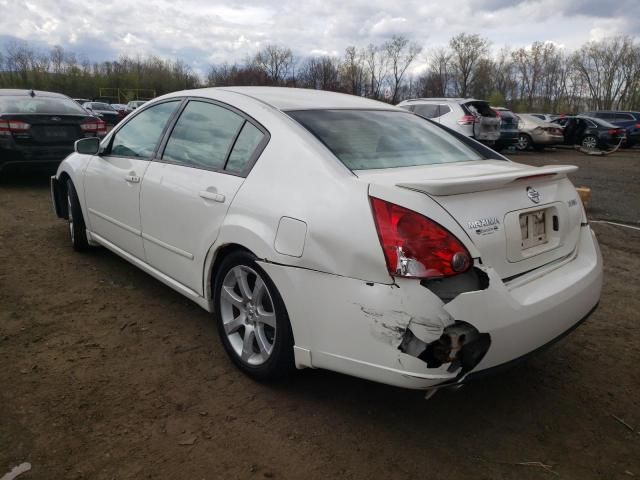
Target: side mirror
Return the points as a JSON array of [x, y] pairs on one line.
[[87, 146]]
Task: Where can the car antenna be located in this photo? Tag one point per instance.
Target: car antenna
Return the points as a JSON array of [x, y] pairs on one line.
[[32, 93]]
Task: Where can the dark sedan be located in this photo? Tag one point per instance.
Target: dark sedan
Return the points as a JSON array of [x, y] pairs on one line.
[[106, 112], [40, 128], [630, 121], [590, 133]]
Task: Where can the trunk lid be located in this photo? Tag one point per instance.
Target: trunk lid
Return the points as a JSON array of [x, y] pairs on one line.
[[518, 217]]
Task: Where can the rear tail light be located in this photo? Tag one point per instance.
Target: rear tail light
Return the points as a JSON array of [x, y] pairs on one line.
[[415, 246], [467, 120], [7, 127], [94, 125], [638, 126], [615, 131]]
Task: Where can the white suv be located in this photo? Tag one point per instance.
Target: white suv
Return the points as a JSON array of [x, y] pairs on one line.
[[470, 117]]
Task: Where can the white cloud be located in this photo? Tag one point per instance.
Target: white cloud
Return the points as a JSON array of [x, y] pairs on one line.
[[202, 32]]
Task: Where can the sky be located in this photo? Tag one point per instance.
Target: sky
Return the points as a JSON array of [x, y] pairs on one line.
[[206, 32]]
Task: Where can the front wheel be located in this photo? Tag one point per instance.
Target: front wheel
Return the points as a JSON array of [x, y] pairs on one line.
[[524, 142], [252, 321]]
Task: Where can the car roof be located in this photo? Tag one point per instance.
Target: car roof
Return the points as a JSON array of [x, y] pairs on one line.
[[25, 93], [284, 98]]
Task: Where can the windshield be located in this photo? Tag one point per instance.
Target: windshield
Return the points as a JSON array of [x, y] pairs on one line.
[[370, 139], [46, 105]]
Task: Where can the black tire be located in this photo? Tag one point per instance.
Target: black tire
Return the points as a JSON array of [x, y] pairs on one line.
[[524, 142], [77, 227], [280, 362]]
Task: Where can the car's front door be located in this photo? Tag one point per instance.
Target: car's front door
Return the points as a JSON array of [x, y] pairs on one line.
[[113, 179], [187, 191]]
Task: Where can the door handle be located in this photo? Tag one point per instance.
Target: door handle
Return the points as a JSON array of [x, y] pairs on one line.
[[216, 197], [132, 178]]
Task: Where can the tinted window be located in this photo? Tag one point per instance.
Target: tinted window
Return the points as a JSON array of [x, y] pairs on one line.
[[364, 139], [623, 117], [45, 105], [139, 136], [444, 109], [244, 147], [427, 111], [202, 136]]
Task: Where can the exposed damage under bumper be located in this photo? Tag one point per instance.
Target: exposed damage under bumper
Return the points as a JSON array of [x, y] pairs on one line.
[[436, 334]]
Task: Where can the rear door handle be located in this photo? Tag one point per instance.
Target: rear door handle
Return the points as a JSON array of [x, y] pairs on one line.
[[216, 197], [132, 178]]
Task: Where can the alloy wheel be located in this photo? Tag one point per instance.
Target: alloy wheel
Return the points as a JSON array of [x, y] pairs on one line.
[[248, 315], [523, 142], [590, 142]]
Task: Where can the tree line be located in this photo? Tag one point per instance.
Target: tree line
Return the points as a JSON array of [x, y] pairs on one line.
[[542, 77]]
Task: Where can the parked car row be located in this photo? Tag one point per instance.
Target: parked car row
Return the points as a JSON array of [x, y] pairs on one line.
[[499, 127]]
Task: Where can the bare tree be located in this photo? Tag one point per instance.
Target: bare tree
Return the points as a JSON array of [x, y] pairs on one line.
[[320, 73], [353, 70], [277, 63], [377, 65], [400, 54], [466, 53], [602, 66]]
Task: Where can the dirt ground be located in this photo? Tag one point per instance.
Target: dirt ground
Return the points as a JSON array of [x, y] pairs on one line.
[[108, 374]]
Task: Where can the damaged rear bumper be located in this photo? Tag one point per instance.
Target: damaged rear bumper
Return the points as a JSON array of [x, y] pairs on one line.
[[382, 332]]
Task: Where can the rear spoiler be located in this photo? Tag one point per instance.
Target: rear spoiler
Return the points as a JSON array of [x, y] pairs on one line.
[[489, 181]]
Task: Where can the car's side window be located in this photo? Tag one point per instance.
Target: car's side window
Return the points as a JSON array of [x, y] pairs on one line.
[[246, 143], [444, 109], [202, 136], [139, 136], [427, 111]]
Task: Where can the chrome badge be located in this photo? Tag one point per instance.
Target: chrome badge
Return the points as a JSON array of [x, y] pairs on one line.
[[484, 226], [533, 195]]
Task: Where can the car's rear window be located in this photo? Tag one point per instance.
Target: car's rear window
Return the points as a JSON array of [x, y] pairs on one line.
[[371, 139], [25, 104]]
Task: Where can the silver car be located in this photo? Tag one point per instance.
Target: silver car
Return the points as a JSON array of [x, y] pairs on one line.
[[536, 133], [468, 116]]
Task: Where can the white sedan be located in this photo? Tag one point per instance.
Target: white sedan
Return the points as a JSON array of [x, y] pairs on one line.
[[331, 231]]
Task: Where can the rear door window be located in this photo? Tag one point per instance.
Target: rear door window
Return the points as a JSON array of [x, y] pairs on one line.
[[243, 150], [203, 136], [139, 136]]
